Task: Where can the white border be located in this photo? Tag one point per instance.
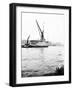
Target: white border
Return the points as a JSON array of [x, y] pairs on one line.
[[20, 80]]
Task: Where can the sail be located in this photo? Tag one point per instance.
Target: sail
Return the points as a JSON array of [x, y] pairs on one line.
[[28, 39]]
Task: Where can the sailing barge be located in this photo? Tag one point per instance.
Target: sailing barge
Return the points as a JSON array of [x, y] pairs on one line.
[[36, 43]]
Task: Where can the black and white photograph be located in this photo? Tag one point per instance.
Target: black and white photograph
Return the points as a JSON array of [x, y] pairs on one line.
[[42, 44]]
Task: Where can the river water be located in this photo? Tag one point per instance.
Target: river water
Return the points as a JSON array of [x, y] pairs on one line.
[[40, 61]]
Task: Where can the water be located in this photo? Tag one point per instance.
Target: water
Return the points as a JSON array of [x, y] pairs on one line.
[[40, 61]]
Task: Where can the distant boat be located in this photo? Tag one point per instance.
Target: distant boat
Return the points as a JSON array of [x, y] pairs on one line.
[[37, 43]]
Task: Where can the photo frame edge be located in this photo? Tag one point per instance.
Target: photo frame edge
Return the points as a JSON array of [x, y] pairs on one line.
[[12, 41]]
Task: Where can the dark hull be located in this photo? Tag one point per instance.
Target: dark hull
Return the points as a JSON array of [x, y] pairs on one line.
[[34, 46]]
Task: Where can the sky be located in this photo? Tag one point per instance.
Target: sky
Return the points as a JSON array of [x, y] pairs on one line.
[[54, 26]]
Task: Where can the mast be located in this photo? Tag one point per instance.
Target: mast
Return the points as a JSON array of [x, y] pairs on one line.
[[38, 26], [41, 32]]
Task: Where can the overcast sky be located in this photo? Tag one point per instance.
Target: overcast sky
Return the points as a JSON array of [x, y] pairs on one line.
[[54, 26]]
